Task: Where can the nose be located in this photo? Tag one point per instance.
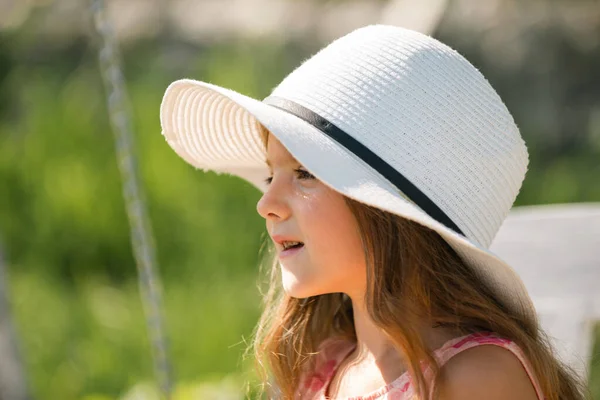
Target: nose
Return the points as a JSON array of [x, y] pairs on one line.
[[273, 205]]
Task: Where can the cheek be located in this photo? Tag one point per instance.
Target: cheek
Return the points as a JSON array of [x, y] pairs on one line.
[[334, 260], [335, 238]]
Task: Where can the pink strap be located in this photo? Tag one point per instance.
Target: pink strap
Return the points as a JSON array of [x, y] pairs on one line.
[[463, 343], [330, 353]]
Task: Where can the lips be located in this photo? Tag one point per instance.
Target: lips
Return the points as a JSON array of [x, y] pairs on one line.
[[282, 241], [290, 251]]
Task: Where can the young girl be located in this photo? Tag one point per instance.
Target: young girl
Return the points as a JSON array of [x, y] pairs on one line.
[[387, 164]]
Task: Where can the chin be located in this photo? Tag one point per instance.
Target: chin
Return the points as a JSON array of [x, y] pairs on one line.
[[296, 287], [296, 290]]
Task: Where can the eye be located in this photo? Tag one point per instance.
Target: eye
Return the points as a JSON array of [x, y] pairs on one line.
[[302, 174]]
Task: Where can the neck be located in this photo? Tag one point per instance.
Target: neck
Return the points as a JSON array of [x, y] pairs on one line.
[[373, 343]]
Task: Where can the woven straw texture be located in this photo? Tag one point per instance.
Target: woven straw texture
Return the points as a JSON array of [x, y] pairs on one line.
[[417, 103]]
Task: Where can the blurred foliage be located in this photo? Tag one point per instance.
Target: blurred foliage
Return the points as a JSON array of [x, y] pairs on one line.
[[62, 221], [61, 207], [63, 224], [90, 337]]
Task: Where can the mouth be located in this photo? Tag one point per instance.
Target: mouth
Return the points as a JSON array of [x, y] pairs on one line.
[[291, 249], [292, 245]]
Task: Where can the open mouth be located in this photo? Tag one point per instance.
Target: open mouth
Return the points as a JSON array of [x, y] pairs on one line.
[[296, 245], [291, 249]]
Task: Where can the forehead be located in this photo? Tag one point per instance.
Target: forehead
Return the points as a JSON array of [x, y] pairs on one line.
[[277, 153]]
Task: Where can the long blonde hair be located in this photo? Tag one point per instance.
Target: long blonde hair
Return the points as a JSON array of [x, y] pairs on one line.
[[412, 273]]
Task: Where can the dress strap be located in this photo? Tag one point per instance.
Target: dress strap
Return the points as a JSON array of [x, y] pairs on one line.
[[460, 344], [314, 380]]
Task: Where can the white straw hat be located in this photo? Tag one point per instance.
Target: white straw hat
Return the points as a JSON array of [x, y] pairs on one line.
[[386, 116]]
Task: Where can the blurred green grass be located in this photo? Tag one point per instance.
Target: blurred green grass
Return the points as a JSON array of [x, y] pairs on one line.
[[91, 339]]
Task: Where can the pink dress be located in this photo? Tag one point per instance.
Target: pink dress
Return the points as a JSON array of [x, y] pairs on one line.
[[313, 385]]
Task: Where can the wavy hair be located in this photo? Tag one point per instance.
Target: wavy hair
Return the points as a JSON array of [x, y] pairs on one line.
[[412, 273]]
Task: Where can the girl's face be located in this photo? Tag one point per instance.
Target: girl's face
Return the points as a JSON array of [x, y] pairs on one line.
[[299, 207]]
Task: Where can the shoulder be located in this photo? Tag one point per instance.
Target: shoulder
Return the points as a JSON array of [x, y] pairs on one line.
[[490, 372]]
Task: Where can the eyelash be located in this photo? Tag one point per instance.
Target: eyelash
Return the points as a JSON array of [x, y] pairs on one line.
[[304, 175]]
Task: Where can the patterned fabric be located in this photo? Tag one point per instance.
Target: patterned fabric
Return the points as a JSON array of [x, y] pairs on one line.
[[333, 351]]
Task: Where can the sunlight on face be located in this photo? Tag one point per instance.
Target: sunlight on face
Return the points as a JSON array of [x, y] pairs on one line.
[[299, 206]]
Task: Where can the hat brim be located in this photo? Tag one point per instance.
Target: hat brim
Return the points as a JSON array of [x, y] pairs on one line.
[[215, 128]]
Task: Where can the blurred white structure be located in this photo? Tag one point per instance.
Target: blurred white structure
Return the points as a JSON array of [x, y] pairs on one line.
[[210, 21], [556, 250]]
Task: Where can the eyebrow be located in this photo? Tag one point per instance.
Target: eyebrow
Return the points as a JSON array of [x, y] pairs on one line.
[[294, 161]]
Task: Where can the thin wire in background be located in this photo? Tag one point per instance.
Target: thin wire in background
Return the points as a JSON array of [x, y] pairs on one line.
[[140, 229]]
